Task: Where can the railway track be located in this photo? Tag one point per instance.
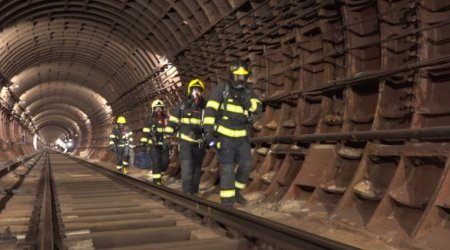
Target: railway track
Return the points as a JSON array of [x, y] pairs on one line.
[[78, 205]]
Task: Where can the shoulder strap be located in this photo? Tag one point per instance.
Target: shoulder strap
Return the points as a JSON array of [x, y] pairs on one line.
[[225, 94]]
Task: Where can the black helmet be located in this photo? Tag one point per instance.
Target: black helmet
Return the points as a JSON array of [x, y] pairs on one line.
[[238, 73]]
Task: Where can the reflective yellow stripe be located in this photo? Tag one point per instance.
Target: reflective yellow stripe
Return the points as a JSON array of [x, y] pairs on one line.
[[189, 139], [240, 71], [227, 193], [255, 103], [239, 185], [156, 176], [118, 167], [125, 163], [174, 119], [213, 104], [143, 139], [160, 130], [130, 133], [231, 132], [233, 108], [169, 130], [112, 136], [194, 121], [111, 142], [209, 120], [146, 130], [150, 142], [131, 138]]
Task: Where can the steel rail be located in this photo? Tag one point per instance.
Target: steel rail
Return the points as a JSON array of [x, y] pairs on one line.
[[256, 229], [391, 135], [7, 169], [45, 234]]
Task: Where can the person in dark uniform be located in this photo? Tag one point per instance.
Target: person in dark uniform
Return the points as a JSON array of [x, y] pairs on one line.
[[155, 135], [120, 141], [186, 118], [229, 112]]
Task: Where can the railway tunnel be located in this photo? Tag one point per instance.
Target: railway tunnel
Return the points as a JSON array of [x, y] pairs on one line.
[[353, 143]]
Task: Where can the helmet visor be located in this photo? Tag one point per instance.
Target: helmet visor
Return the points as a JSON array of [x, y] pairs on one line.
[[240, 78], [158, 109], [196, 92]]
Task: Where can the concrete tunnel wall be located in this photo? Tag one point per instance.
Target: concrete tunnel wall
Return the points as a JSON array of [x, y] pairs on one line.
[[319, 67]]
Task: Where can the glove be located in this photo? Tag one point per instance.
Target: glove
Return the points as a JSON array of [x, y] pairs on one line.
[[250, 119], [247, 104], [245, 100]]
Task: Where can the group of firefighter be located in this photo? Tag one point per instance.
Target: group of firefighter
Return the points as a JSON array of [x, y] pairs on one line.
[[222, 122]]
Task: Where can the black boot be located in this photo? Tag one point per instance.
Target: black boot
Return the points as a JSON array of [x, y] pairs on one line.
[[157, 181], [228, 202], [239, 198]]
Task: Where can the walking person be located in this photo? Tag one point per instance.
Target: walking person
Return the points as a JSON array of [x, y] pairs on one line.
[[155, 136], [230, 110], [186, 118], [120, 141]]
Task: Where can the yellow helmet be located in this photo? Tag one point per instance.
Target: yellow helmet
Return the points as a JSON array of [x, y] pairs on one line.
[[121, 120], [195, 83], [157, 103]]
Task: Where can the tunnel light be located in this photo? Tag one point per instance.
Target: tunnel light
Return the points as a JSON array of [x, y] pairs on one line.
[[163, 60], [35, 141], [107, 108], [4, 92]]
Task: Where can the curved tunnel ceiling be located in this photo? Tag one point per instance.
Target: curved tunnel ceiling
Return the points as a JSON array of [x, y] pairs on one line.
[[65, 52]]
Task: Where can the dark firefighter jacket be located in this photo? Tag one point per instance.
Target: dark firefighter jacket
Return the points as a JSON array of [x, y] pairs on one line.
[[187, 118], [229, 111], [156, 130], [121, 137]]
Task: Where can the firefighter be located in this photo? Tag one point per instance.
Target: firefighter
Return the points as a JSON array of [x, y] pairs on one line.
[[229, 112], [120, 141], [156, 133], [187, 118]]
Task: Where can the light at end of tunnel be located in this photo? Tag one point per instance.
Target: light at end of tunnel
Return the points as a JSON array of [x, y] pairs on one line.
[[107, 108], [163, 60]]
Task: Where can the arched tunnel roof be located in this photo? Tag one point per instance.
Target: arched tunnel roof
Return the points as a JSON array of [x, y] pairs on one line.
[[83, 55]]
